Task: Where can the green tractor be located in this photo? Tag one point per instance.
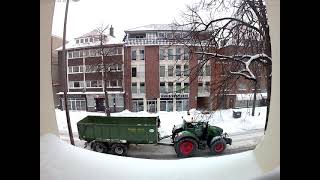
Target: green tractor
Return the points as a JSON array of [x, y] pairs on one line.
[[189, 137]]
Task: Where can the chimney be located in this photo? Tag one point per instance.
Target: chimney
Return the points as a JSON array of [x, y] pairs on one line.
[[111, 31]]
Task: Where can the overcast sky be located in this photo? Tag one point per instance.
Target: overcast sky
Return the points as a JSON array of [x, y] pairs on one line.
[[86, 15]]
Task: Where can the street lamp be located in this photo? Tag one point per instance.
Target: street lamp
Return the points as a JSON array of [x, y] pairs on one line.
[[64, 55]]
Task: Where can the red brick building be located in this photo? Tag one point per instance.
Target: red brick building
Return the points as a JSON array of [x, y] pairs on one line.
[[85, 79]]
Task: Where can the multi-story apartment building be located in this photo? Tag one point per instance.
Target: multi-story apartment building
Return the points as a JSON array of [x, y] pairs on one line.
[[85, 77], [157, 71]]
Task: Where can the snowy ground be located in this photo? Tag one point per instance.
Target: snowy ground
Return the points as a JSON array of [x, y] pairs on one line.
[[221, 118]]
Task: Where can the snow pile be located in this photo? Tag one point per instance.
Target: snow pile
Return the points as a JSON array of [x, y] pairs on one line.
[[60, 160], [221, 118]]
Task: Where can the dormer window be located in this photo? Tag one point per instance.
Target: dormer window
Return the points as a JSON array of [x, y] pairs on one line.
[[86, 40], [91, 39], [81, 40], [77, 41]]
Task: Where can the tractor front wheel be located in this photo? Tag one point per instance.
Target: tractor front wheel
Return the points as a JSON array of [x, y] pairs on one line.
[[186, 147], [218, 146]]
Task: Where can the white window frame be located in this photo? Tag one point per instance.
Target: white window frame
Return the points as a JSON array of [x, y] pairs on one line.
[[99, 84], [71, 85], [73, 69]]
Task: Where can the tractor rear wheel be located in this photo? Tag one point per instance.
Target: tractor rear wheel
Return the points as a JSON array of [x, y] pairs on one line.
[[119, 149], [218, 146], [186, 147]]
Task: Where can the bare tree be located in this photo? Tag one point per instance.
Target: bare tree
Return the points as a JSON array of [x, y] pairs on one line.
[[215, 24], [105, 65]]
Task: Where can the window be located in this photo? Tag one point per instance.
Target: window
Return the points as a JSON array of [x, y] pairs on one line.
[[113, 83], [178, 70], [137, 105], [162, 54], [86, 40], [178, 53], [134, 72], [91, 39], [186, 88], [93, 84], [76, 54], [170, 71], [177, 35], [170, 54], [113, 67], [141, 52], [207, 86], [186, 70], [242, 86], [119, 83], [200, 70], [162, 71], [186, 54], [93, 52], [69, 55], [77, 41], [200, 87], [81, 53], [161, 35], [169, 35], [85, 53], [91, 68], [208, 70], [133, 55], [75, 69], [162, 87], [142, 88], [170, 87], [119, 67], [76, 84], [178, 87], [134, 88], [81, 40], [76, 104]]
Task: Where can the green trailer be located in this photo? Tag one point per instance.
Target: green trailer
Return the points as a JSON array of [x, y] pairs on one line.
[[114, 134]]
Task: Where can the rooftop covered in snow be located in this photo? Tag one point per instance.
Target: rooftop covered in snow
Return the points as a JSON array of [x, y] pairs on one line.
[[157, 27], [110, 40]]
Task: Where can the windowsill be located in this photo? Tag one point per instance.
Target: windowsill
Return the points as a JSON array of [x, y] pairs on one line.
[[75, 73]]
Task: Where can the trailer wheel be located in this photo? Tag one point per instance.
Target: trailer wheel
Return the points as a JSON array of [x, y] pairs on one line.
[[99, 147], [186, 147], [218, 146], [119, 149]]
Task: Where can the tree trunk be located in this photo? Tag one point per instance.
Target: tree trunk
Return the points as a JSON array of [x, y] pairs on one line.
[[254, 98], [64, 55], [106, 101]]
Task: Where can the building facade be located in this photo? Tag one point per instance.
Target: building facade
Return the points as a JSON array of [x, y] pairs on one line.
[[86, 80], [150, 71]]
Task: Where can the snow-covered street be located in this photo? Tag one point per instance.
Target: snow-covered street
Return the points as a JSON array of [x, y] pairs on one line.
[[246, 131]]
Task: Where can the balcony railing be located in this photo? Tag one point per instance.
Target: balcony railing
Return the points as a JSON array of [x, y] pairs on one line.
[[144, 41]]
